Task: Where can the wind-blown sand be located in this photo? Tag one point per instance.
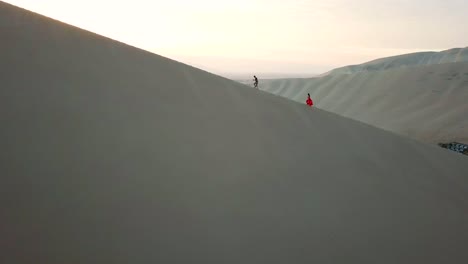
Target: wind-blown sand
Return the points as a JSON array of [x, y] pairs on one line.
[[428, 103], [114, 155]]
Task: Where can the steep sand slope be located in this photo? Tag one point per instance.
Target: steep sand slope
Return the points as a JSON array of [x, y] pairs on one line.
[[406, 60], [428, 103], [113, 155]]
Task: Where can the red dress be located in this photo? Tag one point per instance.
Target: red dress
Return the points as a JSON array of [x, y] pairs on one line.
[[309, 102]]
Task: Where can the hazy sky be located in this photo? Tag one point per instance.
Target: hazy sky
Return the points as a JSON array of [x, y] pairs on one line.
[[258, 36]]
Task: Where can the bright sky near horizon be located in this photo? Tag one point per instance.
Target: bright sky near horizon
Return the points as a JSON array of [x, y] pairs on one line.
[[269, 36]]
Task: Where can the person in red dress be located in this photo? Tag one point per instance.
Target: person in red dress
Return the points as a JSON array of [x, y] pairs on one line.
[[309, 101]]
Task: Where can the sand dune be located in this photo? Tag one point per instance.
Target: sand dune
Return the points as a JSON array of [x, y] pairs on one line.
[[406, 60], [428, 103], [111, 154]]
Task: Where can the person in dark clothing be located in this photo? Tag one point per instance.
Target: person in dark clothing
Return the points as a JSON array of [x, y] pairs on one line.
[[255, 82]]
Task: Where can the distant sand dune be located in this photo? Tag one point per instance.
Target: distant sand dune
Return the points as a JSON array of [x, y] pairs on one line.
[[110, 154], [428, 103], [406, 60]]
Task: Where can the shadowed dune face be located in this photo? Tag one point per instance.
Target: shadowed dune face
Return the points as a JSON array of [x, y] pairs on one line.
[[114, 155], [427, 103]]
